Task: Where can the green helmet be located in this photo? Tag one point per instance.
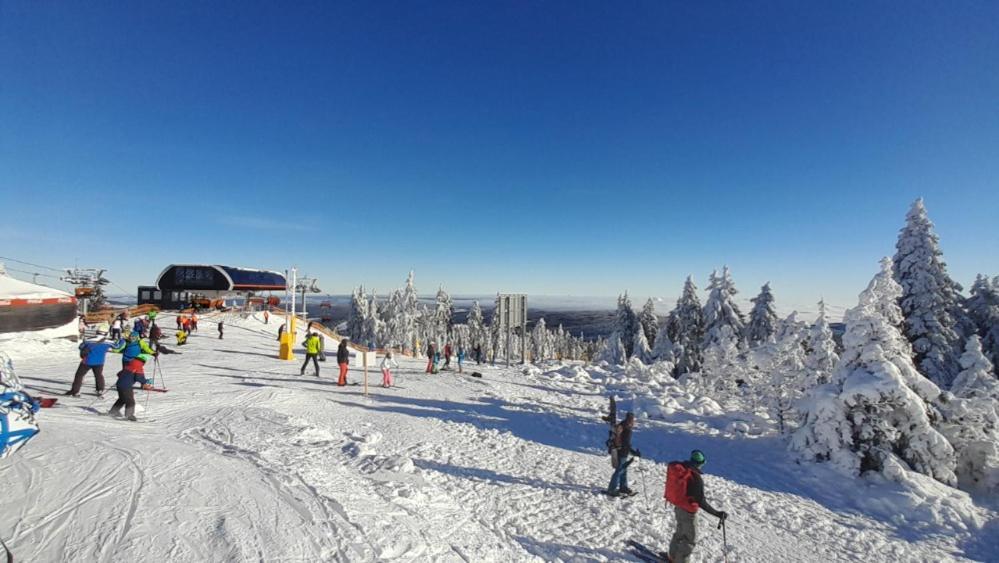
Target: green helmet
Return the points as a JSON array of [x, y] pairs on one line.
[[697, 456]]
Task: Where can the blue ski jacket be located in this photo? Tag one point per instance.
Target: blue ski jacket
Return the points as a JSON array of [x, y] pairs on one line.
[[128, 379], [95, 352]]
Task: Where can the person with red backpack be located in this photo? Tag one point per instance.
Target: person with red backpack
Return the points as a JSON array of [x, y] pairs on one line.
[[621, 457], [685, 491]]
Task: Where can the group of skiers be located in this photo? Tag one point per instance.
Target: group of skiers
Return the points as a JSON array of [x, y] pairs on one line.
[[434, 357], [684, 489], [135, 351]]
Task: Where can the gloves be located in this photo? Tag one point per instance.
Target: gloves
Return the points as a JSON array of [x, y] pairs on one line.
[[147, 387], [723, 515]]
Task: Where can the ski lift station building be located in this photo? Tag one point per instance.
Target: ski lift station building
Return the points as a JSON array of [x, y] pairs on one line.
[[177, 284]]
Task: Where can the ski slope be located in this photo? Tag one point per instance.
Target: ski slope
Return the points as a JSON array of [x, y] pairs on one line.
[[245, 460]]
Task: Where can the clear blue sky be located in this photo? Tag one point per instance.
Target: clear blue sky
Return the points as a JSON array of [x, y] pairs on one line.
[[569, 148]]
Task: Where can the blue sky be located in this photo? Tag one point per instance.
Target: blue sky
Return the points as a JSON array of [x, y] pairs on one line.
[[566, 148]]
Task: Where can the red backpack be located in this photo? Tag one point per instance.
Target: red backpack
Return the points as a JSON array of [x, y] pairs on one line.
[[678, 477]]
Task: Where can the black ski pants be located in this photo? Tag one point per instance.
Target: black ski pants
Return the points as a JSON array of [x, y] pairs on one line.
[[126, 398], [315, 363], [82, 371]]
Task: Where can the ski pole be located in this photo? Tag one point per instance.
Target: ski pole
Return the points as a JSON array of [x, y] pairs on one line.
[[721, 524], [159, 370]]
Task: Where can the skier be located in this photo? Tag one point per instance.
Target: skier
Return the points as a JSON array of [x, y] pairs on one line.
[[478, 354], [155, 333], [461, 356], [281, 330], [194, 322], [311, 344], [342, 358], [180, 322], [92, 356], [181, 337], [387, 364], [127, 378], [447, 356], [685, 491], [220, 330], [139, 326], [621, 457], [431, 354], [267, 317], [116, 328]]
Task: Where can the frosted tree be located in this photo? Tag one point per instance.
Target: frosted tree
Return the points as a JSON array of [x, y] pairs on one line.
[[664, 350], [720, 310], [971, 420], [358, 314], [935, 320], [640, 347], [497, 335], [626, 322], [649, 321], [613, 351], [685, 328], [976, 379], [477, 332], [443, 316], [787, 380], [722, 366], [983, 306], [821, 357], [539, 341], [875, 414], [762, 319], [372, 327]]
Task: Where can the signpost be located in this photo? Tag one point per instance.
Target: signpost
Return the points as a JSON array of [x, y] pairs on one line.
[[511, 309]]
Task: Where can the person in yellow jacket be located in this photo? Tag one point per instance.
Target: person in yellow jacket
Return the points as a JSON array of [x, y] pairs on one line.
[[181, 337], [313, 346]]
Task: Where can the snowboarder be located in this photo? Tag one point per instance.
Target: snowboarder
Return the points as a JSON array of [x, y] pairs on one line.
[[221, 327], [127, 379], [685, 491], [461, 356], [92, 355], [621, 457], [387, 364], [343, 359], [311, 345], [431, 354]]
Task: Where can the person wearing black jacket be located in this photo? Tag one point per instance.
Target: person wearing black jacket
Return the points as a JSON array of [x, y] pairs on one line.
[[621, 457], [343, 359], [684, 538]]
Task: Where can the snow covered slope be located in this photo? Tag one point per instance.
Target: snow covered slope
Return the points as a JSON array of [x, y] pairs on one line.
[[245, 460]]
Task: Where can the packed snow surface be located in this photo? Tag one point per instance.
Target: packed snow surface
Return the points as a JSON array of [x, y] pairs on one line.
[[245, 460]]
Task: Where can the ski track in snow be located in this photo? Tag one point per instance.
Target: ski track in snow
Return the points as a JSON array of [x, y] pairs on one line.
[[245, 460]]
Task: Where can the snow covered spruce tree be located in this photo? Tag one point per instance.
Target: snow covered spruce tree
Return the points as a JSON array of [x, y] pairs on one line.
[[971, 420], [820, 351], [358, 314], [720, 309], [373, 327], [540, 349], [788, 377], [443, 317], [626, 323], [983, 306], [478, 334], [876, 412], [762, 319], [613, 351], [640, 347], [723, 366], [664, 350], [649, 321], [685, 328], [935, 320]]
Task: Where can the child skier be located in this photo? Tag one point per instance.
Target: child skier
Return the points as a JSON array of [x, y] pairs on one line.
[[685, 491], [343, 360], [127, 379], [621, 457], [461, 356], [92, 355], [387, 364], [132, 348]]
